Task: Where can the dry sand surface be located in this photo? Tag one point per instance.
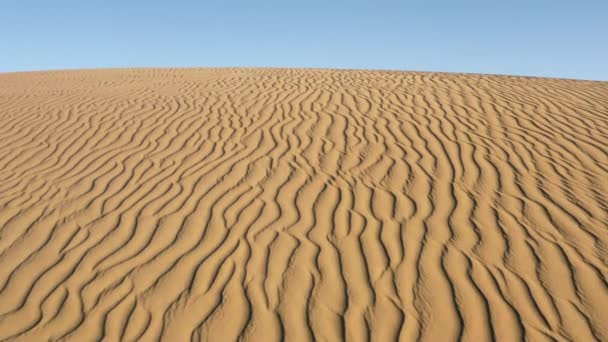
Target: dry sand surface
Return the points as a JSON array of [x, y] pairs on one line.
[[270, 204]]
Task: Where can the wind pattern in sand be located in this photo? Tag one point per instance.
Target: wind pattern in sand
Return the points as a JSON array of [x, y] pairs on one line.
[[278, 204]]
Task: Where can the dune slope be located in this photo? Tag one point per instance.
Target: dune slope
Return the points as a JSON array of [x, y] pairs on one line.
[[269, 204]]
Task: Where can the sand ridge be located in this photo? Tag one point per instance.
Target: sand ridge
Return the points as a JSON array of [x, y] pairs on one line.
[[270, 204]]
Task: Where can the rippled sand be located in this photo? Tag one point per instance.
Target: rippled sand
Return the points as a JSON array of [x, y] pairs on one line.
[[270, 204]]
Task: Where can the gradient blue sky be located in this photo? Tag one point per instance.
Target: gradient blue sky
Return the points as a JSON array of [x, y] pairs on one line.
[[539, 38]]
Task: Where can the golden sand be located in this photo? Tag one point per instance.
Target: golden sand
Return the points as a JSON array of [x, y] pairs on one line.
[[269, 204]]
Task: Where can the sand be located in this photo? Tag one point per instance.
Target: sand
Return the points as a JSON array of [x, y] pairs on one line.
[[271, 204]]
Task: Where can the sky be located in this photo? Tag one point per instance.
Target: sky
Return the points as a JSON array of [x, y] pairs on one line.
[[566, 39]]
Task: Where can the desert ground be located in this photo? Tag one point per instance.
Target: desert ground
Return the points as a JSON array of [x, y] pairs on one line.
[[302, 204]]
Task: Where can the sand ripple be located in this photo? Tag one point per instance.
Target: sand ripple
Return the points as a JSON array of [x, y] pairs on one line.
[[270, 204]]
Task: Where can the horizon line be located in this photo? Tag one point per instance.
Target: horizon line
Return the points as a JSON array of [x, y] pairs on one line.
[[304, 68]]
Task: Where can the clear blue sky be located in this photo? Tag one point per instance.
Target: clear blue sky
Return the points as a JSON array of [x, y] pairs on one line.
[[540, 38]]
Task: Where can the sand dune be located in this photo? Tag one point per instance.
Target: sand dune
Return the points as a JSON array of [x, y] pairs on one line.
[[270, 204]]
